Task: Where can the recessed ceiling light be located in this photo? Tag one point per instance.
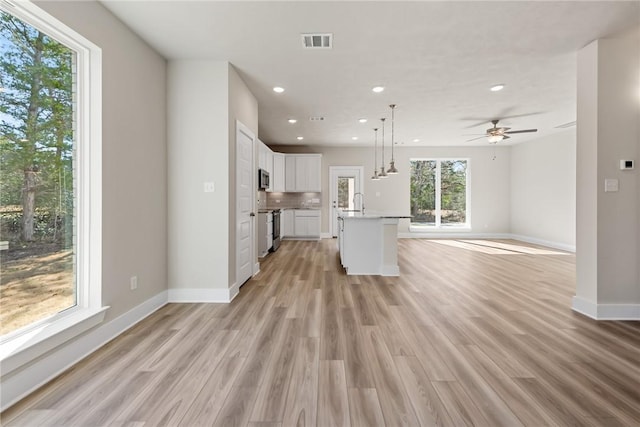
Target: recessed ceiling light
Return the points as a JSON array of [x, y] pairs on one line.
[[497, 88], [378, 89], [362, 120], [416, 140], [300, 138], [292, 121], [355, 138], [278, 89]]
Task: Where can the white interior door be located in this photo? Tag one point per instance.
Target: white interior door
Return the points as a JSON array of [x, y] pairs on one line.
[[345, 182], [245, 191]]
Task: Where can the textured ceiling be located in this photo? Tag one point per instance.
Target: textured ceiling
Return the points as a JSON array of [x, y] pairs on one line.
[[437, 61]]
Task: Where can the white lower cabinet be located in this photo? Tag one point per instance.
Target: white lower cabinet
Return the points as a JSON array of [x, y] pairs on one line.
[[287, 223], [265, 233], [300, 223], [307, 223]]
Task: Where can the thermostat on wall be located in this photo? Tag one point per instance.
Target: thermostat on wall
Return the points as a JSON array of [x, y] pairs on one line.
[[626, 164]]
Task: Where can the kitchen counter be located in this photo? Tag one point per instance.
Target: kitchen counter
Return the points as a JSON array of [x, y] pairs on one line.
[[368, 242], [372, 215], [303, 209]]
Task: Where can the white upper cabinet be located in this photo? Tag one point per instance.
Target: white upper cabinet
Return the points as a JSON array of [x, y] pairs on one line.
[[265, 161], [290, 173], [303, 172], [277, 177]]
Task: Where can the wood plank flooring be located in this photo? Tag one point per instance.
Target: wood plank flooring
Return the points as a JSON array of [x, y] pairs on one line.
[[473, 332]]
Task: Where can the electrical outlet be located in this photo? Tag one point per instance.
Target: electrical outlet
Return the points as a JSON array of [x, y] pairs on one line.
[[134, 282]]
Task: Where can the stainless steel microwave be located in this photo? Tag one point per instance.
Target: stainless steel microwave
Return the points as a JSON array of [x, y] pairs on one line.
[[263, 179]]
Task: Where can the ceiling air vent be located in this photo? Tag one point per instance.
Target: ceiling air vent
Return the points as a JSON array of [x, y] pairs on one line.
[[317, 40]]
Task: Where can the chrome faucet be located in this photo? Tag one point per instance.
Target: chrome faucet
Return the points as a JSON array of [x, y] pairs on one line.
[[362, 200]]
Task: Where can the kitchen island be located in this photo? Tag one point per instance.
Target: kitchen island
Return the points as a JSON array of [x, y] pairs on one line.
[[368, 242]]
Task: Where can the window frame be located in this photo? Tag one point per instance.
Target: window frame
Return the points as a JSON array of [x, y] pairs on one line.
[[25, 344], [466, 226]]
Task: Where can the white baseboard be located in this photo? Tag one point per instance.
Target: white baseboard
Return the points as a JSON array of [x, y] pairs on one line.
[[606, 311], [197, 295], [547, 243], [390, 270], [18, 385], [234, 290], [326, 236]]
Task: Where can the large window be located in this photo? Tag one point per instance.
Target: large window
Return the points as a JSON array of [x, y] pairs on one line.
[[37, 201], [50, 192], [439, 193]]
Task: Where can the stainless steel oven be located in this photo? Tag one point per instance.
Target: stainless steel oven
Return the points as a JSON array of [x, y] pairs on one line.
[[276, 230]]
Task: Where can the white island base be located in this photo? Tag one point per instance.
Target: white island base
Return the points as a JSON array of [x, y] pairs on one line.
[[368, 243]]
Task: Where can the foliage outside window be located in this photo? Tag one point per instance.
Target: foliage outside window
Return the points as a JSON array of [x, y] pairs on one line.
[[438, 194], [346, 186], [37, 191]]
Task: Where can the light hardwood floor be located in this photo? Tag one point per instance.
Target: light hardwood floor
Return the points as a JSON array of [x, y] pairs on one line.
[[471, 333]]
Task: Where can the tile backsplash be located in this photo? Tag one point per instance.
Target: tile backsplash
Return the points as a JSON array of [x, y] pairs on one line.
[[288, 200]]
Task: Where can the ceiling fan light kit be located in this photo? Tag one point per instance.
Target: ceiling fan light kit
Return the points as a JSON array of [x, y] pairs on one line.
[[497, 134]]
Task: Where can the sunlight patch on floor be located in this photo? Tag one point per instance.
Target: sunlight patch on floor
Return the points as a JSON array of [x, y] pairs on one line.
[[476, 248], [498, 248]]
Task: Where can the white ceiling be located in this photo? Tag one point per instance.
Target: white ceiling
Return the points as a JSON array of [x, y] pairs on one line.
[[437, 61]]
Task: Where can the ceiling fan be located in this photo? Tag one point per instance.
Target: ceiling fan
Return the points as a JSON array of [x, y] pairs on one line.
[[497, 134]]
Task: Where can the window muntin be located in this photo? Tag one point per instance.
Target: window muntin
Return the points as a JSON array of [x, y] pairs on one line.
[[439, 193]]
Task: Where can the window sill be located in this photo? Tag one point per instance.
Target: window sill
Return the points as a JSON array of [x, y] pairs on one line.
[[20, 349]]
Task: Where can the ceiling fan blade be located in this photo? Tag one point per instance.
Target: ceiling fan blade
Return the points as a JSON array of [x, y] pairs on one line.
[[474, 139], [474, 134], [522, 131], [505, 137], [503, 116]]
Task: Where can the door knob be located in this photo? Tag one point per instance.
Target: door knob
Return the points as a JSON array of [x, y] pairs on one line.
[[252, 214]]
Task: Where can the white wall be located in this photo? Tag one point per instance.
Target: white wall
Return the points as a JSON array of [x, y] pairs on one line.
[[618, 138], [608, 225], [198, 135], [243, 107], [205, 100], [134, 206], [490, 181], [543, 189]]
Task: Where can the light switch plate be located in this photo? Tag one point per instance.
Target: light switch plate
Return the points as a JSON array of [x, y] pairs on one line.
[[209, 187], [610, 185]]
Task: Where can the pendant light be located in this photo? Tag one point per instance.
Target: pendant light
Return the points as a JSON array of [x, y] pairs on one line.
[[375, 156], [392, 165], [382, 173]]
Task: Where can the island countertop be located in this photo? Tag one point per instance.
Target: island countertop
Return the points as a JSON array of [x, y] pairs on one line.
[[371, 215]]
